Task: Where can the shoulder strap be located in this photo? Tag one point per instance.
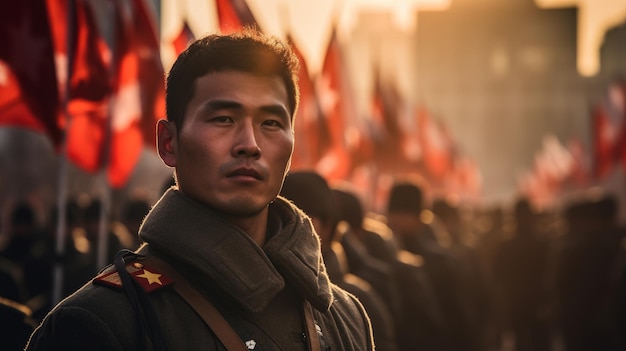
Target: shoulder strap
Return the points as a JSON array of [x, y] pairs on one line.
[[313, 339], [202, 305], [214, 319], [148, 327]]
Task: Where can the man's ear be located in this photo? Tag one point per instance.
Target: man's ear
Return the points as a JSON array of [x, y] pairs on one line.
[[166, 142]]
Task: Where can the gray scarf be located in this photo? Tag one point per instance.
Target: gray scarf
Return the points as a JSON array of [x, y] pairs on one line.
[[190, 233]]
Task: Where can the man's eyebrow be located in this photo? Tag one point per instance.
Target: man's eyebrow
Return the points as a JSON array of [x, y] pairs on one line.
[[214, 105], [279, 110]]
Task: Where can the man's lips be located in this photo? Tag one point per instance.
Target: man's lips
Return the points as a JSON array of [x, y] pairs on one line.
[[245, 172]]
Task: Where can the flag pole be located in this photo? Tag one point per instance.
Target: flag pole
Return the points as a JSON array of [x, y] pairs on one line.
[[61, 224], [105, 197], [103, 226]]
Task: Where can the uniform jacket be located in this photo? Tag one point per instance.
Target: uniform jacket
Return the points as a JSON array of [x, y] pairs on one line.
[[258, 290]]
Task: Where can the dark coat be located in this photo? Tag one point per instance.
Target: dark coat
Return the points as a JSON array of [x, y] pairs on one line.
[[258, 290], [442, 272], [16, 323]]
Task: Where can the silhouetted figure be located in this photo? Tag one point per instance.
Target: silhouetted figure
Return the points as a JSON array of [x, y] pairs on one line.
[[132, 216], [520, 269], [358, 243], [492, 233], [380, 245], [16, 323], [26, 237], [619, 301], [30, 251], [71, 260], [410, 297], [82, 265], [412, 229], [310, 191], [11, 281], [585, 282], [473, 283], [12, 284]]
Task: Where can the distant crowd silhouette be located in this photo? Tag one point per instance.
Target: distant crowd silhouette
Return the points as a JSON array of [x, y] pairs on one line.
[[433, 275]]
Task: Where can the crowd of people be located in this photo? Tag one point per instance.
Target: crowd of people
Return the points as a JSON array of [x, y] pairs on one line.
[[29, 254], [432, 275], [441, 276]]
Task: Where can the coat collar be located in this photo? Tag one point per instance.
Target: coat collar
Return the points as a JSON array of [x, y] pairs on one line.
[[195, 236]]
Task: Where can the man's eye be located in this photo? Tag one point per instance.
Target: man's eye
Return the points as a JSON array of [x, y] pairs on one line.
[[221, 119], [273, 123]]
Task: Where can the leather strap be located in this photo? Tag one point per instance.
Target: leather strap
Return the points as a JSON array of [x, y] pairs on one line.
[[214, 319], [313, 338], [202, 305]]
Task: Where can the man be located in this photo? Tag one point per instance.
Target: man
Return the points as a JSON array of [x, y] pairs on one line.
[[370, 255], [407, 290], [586, 279], [521, 270], [413, 228], [309, 191], [472, 282], [222, 233], [17, 324]]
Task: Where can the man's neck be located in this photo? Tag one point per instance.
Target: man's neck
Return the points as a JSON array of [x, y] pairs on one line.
[[255, 226]]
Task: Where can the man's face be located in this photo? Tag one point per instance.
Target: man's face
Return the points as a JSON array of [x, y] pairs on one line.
[[235, 144], [325, 231], [402, 223]]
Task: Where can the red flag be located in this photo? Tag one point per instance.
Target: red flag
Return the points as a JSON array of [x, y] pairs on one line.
[[552, 164], [603, 142], [229, 20], [234, 15], [28, 84], [609, 130], [579, 174], [617, 98], [126, 139], [332, 91], [465, 180], [537, 191], [89, 84], [183, 39], [388, 135], [311, 130], [137, 90], [437, 147], [554, 167], [151, 74]]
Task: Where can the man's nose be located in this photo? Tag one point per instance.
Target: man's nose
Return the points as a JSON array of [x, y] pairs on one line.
[[246, 142]]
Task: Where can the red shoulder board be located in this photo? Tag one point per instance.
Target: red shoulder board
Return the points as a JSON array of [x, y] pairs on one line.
[[149, 279]]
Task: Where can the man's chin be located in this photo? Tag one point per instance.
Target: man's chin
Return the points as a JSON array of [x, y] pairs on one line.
[[244, 208]]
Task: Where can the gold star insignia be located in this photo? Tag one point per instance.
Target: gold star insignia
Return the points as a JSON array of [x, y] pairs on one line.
[[151, 277]]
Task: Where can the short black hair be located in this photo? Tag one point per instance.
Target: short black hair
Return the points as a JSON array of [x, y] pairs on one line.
[[247, 51], [349, 207], [310, 191], [405, 197]]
